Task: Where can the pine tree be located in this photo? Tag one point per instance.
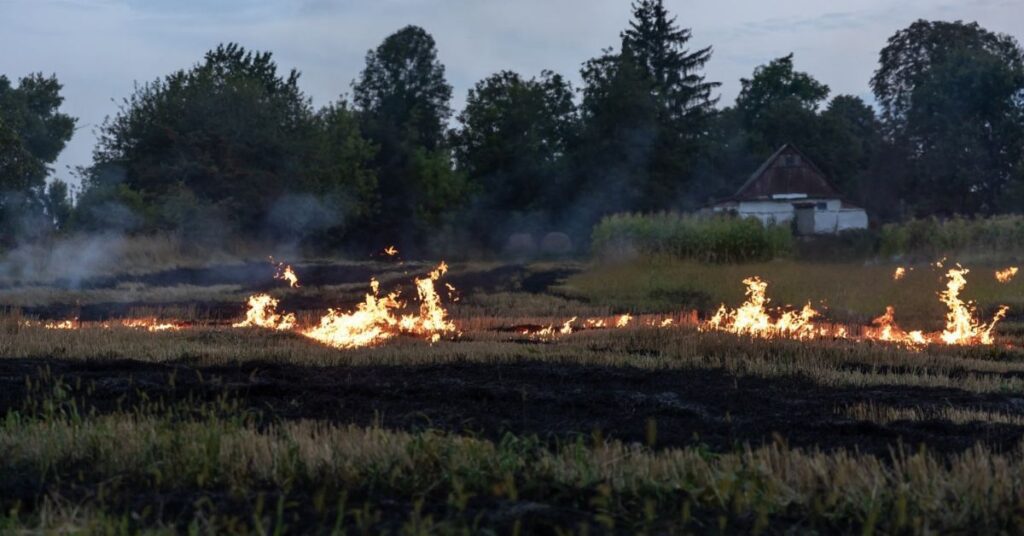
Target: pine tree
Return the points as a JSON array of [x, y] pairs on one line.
[[667, 78], [658, 45]]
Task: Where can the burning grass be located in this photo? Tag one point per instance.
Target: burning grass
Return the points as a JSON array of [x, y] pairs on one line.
[[373, 321], [226, 468], [756, 319], [850, 293]]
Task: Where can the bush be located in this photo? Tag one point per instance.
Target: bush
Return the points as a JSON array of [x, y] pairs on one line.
[[708, 239], [998, 236]]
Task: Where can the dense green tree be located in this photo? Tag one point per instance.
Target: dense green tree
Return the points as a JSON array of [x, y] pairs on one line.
[[226, 141], [646, 111], [403, 87], [952, 96], [513, 142], [33, 132], [57, 203], [778, 105], [19, 169], [618, 135], [404, 104], [778, 83], [341, 169], [36, 129], [658, 46], [851, 142]]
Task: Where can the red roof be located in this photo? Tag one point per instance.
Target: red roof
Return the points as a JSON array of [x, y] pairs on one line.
[[787, 171]]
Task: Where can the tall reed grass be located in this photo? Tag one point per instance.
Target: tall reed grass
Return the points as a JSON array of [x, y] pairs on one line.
[[703, 238], [998, 237]]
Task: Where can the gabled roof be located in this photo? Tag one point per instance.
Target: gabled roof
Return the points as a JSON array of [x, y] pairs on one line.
[[787, 171]]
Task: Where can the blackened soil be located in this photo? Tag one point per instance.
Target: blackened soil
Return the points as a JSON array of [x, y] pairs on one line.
[[260, 278], [553, 401], [254, 275]]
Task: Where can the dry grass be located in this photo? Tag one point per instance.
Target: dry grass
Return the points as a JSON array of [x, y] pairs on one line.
[[828, 363], [883, 414], [609, 484], [846, 292], [221, 461]]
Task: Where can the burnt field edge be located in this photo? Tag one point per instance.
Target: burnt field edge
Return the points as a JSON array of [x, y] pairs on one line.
[[662, 408]]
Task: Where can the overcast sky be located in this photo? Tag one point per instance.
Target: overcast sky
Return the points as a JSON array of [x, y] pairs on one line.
[[99, 48]]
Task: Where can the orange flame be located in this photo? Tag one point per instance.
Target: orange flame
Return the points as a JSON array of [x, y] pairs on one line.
[[432, 320], [551, 331], [149, 324], [284, 272], [374, 320], [899, 273], [391, 251], [262, 313], [1005, 275], [370, 323], [753, 318], [887, 330], [961, 325]]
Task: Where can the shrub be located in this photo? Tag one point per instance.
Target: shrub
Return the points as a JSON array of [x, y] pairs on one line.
[[704, 238], [998, 236]]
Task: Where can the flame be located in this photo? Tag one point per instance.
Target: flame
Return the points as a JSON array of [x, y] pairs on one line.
[[370, 323], [753, 318], [623, 321], [887, 330], [899, 273], [961, 325], [62, 324], [551, 331], [432, 320], [1005, 275], [375, 321], [262, 313], [391, 251], [149, 324], [284, 272]]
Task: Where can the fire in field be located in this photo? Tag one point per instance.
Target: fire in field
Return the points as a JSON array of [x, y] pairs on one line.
[[511, 268], [350, 361], [379, 318]]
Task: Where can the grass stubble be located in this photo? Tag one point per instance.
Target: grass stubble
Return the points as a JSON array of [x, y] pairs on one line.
[[216, 467]]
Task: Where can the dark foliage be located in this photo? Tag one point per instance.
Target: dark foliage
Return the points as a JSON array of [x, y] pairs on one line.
[[33, 132]]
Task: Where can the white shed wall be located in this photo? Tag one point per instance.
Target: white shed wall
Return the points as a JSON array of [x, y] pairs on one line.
[[769, 212], [832, 219]]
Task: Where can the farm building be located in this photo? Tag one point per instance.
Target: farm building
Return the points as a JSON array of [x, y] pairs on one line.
[[788, 187]]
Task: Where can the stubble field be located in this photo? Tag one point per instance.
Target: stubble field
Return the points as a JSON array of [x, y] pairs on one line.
[[652, 426]]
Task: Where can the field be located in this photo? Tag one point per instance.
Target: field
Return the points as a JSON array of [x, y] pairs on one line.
[[649, 427]]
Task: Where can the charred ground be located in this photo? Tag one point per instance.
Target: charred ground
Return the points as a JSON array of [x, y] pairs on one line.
[[556, 402], [538, 415]]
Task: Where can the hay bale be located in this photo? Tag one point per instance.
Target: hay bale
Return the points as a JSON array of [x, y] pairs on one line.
[[520, 245], [556, 244]]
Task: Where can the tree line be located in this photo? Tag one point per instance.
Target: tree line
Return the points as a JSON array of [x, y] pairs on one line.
[[233, 146]]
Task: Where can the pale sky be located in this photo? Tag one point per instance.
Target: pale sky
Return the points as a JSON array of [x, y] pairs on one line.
[[100, 48]]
